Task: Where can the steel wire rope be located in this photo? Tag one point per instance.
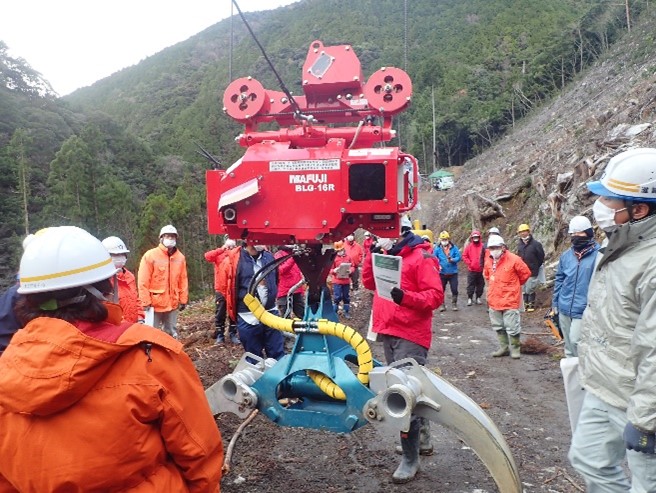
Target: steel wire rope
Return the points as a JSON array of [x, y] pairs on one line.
[[297, 110]]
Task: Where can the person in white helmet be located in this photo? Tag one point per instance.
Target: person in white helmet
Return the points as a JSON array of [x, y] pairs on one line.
[[617, 349], [505, 274], [216, 257], [128, 296], [355, 252], [573, 274], [107, 405], [162, 281]]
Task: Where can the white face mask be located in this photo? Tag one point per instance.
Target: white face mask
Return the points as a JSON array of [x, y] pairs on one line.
[[119, 261], [168, 242], [604, 216], [496, 253], [444, 242], [259, 248]]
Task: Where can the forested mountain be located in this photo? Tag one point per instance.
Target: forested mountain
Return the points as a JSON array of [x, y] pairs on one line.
[[119, 157]]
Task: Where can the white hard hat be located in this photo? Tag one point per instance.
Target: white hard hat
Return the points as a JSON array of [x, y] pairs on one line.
[[495, 241], [405, 222], [631, 175], [115, 245], [168, 229], [230, 243], [350, 238], [367, 233], [63, 257], [579, 224], [494, 230]]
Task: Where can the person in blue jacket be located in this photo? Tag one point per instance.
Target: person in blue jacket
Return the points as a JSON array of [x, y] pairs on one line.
[[449, 255], [575, 269]]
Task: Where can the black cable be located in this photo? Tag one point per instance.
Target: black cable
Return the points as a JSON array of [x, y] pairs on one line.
[[297, 109], [265, 270]]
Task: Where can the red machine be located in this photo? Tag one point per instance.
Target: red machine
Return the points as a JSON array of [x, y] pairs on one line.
[[312, 181]]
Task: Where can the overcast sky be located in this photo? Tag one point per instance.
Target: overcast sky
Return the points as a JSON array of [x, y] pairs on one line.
[[74, 43]]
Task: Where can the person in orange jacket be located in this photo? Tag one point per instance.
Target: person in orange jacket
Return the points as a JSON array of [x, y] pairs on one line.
[[356, 254], [107, 405], [128, 297], [215, 257], [162, 281], [505, 273]]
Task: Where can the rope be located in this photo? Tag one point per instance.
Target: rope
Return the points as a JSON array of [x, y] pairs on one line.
[[297, 109]]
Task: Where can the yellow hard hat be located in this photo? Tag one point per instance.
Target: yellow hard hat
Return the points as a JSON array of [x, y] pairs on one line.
[[523, 227], [444, 235], [338, 245]]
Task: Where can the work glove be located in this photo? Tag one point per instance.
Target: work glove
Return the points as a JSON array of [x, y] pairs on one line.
[[397, 295], [375, 248], [638, 440], [182, 307]]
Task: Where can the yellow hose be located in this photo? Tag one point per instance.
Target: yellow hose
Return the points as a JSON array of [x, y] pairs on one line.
[[325, 327], [267, 318], [326, 385], [357, 342]]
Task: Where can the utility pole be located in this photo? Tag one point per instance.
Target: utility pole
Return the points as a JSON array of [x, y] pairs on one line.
[[434, 134], [628, 15]]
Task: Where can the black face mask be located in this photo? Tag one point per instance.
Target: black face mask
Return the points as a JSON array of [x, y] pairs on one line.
[[580, 242]]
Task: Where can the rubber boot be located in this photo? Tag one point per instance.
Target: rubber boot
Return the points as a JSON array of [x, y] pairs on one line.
[[478, 300], [515, 347], [530, 306], [442, 307], [409, 465], [469, 302], [425, 445], [232, 332], [347, 308], [503, 344], [454, 303]]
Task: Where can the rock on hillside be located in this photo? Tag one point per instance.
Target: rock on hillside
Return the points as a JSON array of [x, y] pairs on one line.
[[536, 174]]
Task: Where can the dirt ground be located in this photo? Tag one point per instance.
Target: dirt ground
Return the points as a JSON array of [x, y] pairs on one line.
[[525, 398]]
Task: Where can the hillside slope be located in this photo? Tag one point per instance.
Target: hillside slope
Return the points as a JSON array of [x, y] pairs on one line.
[[537, 173]]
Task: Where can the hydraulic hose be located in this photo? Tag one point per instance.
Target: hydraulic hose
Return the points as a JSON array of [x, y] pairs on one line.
[[323, 327], [357, 342], [326, 385], [266, 317]]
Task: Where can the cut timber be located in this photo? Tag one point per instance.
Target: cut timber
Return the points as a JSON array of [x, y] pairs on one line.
[[483, 208]]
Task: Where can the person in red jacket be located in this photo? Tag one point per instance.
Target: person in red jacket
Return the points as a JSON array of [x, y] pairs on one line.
[[341, 278], [404, 324], [473, 257], [108, 405], [128, 297], [368, 241], [505, 273], [356, 254], [215, 257], [289, 275]]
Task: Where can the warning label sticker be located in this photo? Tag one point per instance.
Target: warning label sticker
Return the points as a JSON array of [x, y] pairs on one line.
[[305, 165]]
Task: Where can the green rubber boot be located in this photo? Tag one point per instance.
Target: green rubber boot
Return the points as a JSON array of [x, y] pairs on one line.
[[503, 345], [515, 347]]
